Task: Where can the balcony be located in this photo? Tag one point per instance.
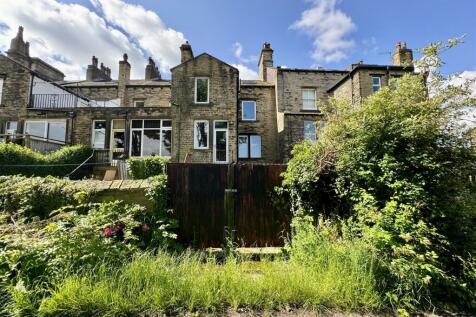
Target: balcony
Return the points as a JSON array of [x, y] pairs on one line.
[[66, 101]]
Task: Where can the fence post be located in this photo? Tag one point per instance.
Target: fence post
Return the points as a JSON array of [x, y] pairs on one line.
[[229, 202]]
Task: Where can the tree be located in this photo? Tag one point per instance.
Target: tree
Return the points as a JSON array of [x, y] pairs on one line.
[[396, 168]]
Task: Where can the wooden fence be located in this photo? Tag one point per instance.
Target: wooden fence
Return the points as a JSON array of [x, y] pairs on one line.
[[211, 201]]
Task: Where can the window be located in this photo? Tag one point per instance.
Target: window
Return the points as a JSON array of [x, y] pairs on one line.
[[139, 103], [200, 134], [376, 85], [220, 142], [202, 90], [1, 89], [12, 127], [248, 110], [151, 137], [310, 131], [249, 146], [309, 99], [118, 138], [51, 130], [99, 134]]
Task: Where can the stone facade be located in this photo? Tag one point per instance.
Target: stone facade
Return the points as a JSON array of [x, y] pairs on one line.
[[221, 105], [265, 125], [287, 103]]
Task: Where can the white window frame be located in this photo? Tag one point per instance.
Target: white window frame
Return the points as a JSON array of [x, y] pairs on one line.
[[195, 141], [215, 141], [379, 84], [45, 131], [93, 136], [208, 90], [243, 112], [2, 80], [111, 139], [160, 128], [315, 98]]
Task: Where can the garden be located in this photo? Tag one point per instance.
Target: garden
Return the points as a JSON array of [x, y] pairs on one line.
[[383, 222]]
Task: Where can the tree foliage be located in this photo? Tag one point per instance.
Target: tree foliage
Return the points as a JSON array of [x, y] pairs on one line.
[[396, 168]]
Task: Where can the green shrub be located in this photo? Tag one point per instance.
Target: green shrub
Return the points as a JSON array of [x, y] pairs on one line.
[[398, 165], [58, 163], [37, 196], [145, 167]]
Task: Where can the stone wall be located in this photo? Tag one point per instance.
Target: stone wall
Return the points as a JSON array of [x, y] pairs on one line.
[[294, 132], [266, 122], [291, 82], [223, 98], [15, 93]]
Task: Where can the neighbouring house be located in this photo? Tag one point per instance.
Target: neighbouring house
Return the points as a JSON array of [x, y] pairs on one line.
[[204, 113]]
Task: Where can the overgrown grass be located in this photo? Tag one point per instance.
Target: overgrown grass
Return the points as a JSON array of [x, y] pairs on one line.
[[343, 278]]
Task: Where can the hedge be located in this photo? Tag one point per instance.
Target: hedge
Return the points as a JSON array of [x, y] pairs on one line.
[[145, 167], [43, 164]]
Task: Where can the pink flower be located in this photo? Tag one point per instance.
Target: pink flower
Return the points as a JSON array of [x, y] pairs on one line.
[[108, 232]]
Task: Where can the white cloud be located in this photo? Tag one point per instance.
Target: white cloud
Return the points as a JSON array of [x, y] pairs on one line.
[[238, 51], [145, 27], [329, 28], [67, 35], [466, 79], [245, 72]]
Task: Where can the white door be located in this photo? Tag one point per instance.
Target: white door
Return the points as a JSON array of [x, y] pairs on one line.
[[220, 142]]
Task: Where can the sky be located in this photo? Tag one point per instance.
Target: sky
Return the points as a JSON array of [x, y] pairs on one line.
[[303, 33]]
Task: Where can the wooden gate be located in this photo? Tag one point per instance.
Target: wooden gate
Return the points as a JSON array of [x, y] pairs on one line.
[[210, 200]]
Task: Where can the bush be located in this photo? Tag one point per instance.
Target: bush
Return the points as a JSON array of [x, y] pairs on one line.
[[398, 164], [145, 167], [36, 164], [37, 196]]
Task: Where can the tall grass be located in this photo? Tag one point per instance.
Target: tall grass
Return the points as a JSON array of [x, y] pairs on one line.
[[341, 277]]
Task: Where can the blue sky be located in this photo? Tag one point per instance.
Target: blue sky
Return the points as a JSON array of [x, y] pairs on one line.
[[304, 34]]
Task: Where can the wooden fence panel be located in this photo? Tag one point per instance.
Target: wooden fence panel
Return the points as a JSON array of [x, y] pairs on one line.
[[259, 221], [198, 199]]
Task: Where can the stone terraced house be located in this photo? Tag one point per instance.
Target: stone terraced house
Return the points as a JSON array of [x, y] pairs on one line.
[[204, 113]]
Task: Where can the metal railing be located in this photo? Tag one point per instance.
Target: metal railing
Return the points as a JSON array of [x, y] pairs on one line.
[[65, 101]]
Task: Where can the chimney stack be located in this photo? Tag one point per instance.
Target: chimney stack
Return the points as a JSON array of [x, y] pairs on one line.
[[186, 52], [95, 73], [265, 61], [402, 56], [124, 77], [151, 71]]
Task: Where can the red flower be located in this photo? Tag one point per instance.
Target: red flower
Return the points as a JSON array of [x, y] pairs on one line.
[[108, 232]]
